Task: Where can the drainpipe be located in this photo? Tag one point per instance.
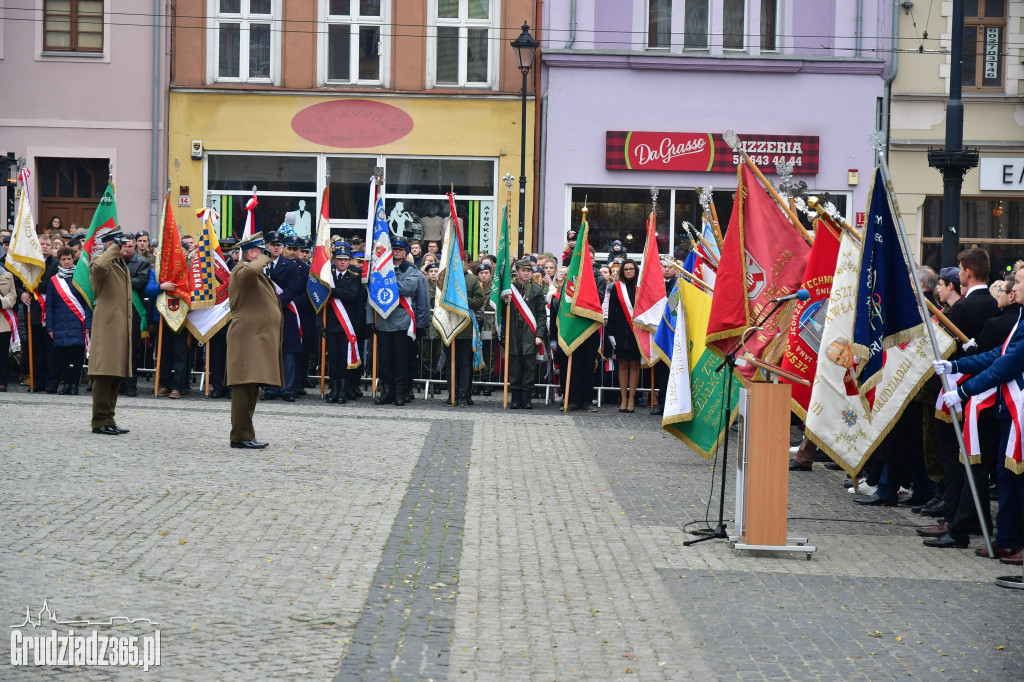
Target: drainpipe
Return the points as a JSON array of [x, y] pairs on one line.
[[572, 25], [893, 70], [154, 184]]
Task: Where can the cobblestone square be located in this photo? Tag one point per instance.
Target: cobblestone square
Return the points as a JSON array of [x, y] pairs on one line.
[[430, 543]]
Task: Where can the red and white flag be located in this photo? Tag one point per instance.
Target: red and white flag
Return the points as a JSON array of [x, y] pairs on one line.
[[321, 264], [250, 216]]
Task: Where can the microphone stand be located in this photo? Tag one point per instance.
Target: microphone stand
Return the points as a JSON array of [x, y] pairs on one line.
[[730, 362]]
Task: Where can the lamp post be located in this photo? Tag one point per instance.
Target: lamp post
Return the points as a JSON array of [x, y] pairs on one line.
[[525, 47]]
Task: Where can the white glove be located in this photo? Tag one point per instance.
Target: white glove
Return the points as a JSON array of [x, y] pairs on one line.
[[943, 367], [971, 343], [952, 399]]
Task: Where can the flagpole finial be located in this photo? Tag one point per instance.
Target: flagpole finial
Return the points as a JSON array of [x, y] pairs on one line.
[[654, 197], [168, 184], [508, 178], [110, 171], [254, 189], [877, 141], [732, 139], [378, 173], [327, 169], [704, 197], [22, 161]]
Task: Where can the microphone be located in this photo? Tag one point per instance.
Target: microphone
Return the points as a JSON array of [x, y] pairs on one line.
[[800, 295]]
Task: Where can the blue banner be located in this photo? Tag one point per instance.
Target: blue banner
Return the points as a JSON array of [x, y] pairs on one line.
[[886, 312], [382, 285]]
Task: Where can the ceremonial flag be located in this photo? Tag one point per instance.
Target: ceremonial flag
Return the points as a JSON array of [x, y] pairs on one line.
[[209, 277], [103, 220], [579, 311], [650, 294], [808, 319], [503, 276], [886, 313], [171, 266], [763, 258], [695, 404], [25, 257], [251, 223], [380, 273], [452, 314], [837, 419], [664, 337], [321, 276]]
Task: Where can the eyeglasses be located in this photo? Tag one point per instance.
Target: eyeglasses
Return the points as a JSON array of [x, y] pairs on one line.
[[629, 269]]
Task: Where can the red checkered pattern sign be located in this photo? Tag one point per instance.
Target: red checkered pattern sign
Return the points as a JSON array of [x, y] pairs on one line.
[[706, 152]]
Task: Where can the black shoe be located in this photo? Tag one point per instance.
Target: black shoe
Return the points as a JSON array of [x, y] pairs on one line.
[[573, 407], [462, 402], [946, 541], [593, 408], [917, 509], [386, 397], [874, 501], [469, 400], [797, 466], [833, 466], [64, 390], [218, 393], [288, 398], [71, 391], [52, 391], [514, 402], [400, 395], [108, 430], [270, 396], [821, 456], [935, 509], [248, 444], [485, 391]]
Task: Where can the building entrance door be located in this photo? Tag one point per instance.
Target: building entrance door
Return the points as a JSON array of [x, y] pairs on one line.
[[70, 189]]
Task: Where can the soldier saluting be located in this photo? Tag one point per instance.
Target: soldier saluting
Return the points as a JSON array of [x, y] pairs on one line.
[[110, 359], [254, 339]]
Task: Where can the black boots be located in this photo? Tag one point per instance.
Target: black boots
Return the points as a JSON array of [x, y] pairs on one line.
[[516, 402], [338, 392], [401, 394], [525, 399], [387, 395]]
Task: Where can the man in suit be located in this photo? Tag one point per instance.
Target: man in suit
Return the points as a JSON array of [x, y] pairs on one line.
[[969, 315], [110, 359], [284, 277], [254, 339]]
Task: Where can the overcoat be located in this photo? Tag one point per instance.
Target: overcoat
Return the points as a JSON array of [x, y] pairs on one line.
[[256, 329], [110, 352]]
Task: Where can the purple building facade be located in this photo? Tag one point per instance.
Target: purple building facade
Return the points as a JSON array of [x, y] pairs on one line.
[[636, 94]]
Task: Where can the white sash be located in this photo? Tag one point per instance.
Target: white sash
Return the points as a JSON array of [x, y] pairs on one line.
[[524, 310], [12, 320], [64, 291], [353, 359], [406, 302], [291, 306]]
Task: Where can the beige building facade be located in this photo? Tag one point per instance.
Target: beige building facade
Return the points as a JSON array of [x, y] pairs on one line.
[[992, 208]]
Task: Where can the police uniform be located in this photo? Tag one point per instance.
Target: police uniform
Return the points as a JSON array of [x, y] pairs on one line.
[[346, 294], [284, 274], [110, 359], [394, 346], [217, 346], [307, 318], [363, 331], [521, 345], [254, 342], [488, 342]]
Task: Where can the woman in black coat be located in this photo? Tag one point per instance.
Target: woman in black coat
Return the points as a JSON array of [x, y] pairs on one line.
[[620, 328]]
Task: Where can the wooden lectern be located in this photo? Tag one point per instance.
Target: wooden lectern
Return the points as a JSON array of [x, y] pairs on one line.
[[762, 469]]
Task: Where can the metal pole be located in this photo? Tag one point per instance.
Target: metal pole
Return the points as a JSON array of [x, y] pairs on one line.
[[522, 174], [905, 242]]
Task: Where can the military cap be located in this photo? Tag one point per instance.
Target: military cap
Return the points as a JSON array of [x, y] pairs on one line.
[[524, 263], [112, 236], [292, 240], [306, 245], [273, 238], [254, 242], [400, 243], [483, 266], [228, 244], [342, 252]]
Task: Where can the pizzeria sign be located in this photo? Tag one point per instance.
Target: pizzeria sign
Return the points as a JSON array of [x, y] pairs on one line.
[[634, 150]]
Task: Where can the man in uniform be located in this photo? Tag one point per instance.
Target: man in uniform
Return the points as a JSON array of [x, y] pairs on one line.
[[310, 341], [284, 277], [142, 247], [217, 347], [110, 359], [485, 273], [363, 330], [254, 339], [138, 269], [340, 329], [527, 337]]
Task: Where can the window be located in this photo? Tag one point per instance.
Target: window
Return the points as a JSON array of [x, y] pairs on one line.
[[462, 42], [993, 224], [354, 41], [246, 40], [734, 24], [659, 20], [984, 44], [73, 25], [769, 25], [695, 25], [283, 183]]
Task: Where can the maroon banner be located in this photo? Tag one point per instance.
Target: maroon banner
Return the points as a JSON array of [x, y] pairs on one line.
[[705, 152]]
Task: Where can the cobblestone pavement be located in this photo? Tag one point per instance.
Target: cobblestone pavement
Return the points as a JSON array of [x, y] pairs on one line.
[[429, 542]]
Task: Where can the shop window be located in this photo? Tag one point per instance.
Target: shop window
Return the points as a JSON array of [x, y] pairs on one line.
[[996, 225], [769, 25], [695, 25], [246, 40], [350, 186], [659, 24], [462, 39], [984, 44], [354, 44], [283, 183], [73, 25]]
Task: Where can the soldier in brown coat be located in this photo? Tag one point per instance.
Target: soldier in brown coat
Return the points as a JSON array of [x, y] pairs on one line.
[[254, 339], [110, 357]]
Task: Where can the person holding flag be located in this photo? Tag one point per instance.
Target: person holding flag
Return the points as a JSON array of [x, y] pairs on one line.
[[110, 357], [622, 334], [397, 329], [527, 336], [579, 316], [339, 330], [9, 339], [68, 324], [284, 275]]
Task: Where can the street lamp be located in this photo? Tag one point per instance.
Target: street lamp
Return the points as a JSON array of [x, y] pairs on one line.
[[526, 49]]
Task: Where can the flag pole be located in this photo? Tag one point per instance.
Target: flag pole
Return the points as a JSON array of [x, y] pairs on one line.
[[452, 361], [31, 364], [206, 378], [373, 377], [508, 312], [568, 378], [958, 429], [733, 140], [159, 352], [323, 354]]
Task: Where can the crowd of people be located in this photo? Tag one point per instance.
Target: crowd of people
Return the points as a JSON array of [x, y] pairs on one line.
[[919, 463]]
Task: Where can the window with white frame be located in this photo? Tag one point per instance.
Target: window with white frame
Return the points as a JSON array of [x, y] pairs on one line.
[[659, 24], [769, 25], [355, 41], [246, 40], [734, 23], [695, 25], [462, 42]]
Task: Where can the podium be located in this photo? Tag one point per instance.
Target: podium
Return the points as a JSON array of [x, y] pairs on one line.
[[762, 472]]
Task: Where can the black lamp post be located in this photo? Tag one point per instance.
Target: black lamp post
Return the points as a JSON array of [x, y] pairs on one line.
[[526, 49]]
